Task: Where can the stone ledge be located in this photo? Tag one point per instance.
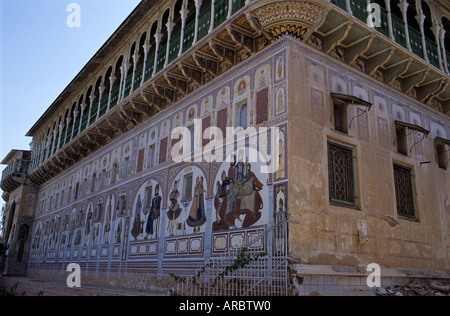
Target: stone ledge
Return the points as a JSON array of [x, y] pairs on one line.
[[326, 270]]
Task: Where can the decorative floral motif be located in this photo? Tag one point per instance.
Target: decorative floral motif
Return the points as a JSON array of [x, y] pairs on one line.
[[288, 17]]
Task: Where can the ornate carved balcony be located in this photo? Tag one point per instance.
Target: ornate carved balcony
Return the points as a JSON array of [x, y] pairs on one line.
[[16, 172], [223, 36]]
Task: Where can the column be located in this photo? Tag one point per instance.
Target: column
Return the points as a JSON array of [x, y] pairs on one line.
[[444, 50], [389, 15], [83, 107], [112, 79], [121, 83], [213, 13], [436, 30], [146, 47], [420, 17], [169, 27], [271, 223], [198, 4], [75, 113], [207, 242], [158, 37], [135, 62], [100, 96], [91, 102], [161, 241], [230, 8], [126, 67], [54, 141], [403, 5], [183, 12], [68, 119], [61, 127], [349, 6]]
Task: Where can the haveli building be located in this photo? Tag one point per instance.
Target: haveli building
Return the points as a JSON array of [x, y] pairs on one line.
[[360, 111]]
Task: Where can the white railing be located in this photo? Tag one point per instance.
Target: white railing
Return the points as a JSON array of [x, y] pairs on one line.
[[243, 271]]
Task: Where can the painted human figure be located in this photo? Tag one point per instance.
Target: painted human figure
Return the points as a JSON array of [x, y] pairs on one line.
[[174, 209], [249, 202], [108, 222], [221, 203], [241, 166], [87, 230], [232, 170], [136, 230], [119, 232], [197, 215], [280, 228], [155, 212], [257, 185]]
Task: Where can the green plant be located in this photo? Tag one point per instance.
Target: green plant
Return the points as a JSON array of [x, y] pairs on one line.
[[12, 291]]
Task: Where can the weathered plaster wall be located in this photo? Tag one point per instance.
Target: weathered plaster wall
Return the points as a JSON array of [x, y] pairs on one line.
[[327, 234]]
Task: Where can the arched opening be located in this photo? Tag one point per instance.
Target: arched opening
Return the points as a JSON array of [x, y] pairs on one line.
[[149, 66], [446, 42], [23, 236], [140, 62], [428, 24], [128, 75], [53, 137], [116, 84], [430, 39], [76, 126], [12, 212], [204, 18], [62, 137], [47, 142], [69, 127], [105, 95], [398, 25], [415, 33], [95, 101], [161, 54], [176, 32], [85, 116], [189, 29]]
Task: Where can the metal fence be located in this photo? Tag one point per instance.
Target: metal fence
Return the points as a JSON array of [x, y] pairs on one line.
[[242, 271]]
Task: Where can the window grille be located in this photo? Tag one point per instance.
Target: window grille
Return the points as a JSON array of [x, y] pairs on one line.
[[403, 191], [341, 173]]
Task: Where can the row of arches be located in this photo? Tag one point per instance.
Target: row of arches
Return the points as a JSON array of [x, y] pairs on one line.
[[173, 30]]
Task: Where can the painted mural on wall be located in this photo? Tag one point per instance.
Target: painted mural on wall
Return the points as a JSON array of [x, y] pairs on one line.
[[147, 211], [133, 202], [240, 198], [186, 212]]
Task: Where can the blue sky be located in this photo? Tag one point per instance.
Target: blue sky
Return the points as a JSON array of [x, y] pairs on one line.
[[40, 55]]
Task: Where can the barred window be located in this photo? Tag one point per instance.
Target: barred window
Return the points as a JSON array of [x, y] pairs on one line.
[[441, 157], [341, 174], [402, 145], [340, 117], [404, 191]]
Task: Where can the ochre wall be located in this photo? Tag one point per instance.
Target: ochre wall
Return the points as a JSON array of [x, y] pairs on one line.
[[327, 234]]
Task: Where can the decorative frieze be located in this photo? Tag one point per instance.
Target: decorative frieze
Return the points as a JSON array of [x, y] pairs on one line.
[[293, 18]]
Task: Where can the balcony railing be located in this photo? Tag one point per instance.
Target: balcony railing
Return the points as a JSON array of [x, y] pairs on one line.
[[359, 10], [113, 97], [18, 166], [183, 41]]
